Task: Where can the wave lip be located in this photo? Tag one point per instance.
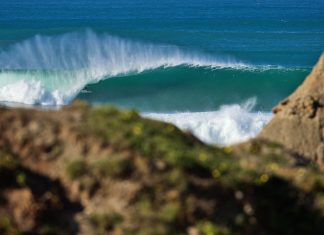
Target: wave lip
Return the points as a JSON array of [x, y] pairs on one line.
[[65, 64], [229, 125]]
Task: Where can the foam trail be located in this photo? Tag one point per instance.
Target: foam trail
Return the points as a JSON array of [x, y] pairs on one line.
[[229, 125], [63, 65]]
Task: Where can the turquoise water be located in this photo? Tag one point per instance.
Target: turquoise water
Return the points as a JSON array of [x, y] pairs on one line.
[[196, 89], [160, 56]]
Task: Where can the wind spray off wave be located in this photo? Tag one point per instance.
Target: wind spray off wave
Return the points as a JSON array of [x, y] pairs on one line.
[[52, 70]]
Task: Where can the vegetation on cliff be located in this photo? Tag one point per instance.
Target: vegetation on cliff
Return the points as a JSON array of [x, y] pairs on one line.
[[84, 170]]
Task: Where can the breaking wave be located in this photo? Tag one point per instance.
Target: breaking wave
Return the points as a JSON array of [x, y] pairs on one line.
[[52, 70], [229, 125], [59, 67]]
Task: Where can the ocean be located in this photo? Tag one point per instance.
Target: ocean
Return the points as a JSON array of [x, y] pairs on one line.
[[215, 68]]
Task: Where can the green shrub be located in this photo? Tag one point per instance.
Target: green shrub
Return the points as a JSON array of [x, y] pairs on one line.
[[6, 226], [113, 166], [76, 169], [210, 228], [169, 212], [105, 222]]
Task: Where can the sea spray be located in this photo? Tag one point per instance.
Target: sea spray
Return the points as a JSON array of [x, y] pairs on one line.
[[92, 51], [68, 62], [65, 64]]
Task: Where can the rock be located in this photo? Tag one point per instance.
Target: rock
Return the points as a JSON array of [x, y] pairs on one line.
[[298, 121], [23, 207]]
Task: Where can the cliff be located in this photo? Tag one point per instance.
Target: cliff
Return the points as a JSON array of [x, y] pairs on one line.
[[299, 119]]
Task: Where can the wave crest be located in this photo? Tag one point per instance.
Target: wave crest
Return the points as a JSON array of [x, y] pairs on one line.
[[68, 62]]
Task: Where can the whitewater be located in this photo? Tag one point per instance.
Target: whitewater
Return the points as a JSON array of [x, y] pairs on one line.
[[53, 70], [230, 124]]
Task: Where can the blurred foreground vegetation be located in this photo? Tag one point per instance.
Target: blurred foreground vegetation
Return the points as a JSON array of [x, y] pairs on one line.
[[85, 170]]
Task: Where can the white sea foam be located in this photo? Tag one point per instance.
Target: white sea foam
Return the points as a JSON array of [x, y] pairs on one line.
[[230, 124], [30, 93], [65, 64]]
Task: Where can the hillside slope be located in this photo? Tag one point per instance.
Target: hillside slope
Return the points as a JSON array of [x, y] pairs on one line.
[[85, 170]]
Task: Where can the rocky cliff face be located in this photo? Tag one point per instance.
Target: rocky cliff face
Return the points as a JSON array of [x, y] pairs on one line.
[[298, 123]]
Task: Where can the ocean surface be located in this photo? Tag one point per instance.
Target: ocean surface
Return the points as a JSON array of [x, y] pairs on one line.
[[215, 68]]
